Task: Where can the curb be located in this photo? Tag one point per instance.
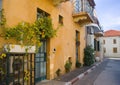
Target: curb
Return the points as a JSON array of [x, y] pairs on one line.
[[82, 75]]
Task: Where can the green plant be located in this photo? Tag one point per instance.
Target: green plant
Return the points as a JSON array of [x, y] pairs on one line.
[[27, 34], [78, 64], [3, 19], [88, 56], [58, 72], [68, 66], [3, 71], [31, 34]]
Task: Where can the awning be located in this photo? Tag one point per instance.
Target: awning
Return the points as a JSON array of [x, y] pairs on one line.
[[94, 25], [97, 30]]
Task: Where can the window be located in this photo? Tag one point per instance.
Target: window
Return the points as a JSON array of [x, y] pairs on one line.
[[0, 4], [87, 7], [0, 10], [103, 41], [60, 20], [114, 41], [104, 50], [77, 6], [98, 45], [95, 43], [77, 45], [90, 30], [115, 50], [41, 13], [77, 38]]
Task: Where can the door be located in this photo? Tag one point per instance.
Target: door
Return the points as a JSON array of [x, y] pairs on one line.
[[77, 43], [40, 63]]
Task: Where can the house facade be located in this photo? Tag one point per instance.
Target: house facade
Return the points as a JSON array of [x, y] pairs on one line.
[[111, 43], [77, 25]]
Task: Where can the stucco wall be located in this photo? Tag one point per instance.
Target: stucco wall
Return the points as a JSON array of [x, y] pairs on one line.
[[109, 46], [24, 10]]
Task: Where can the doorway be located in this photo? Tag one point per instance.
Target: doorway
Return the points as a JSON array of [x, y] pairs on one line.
[[40, 63]]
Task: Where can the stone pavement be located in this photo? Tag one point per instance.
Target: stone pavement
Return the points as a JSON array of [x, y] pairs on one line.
[[51, 82], [71, 77]]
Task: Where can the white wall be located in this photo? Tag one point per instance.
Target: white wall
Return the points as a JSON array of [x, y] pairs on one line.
[[101, 48], [90, 40], [109, 45]]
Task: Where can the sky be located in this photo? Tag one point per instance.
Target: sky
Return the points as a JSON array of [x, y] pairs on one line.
[[108, 13]]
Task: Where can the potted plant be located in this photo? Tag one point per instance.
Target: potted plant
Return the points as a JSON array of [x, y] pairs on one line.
[[58, 72], [68, 66], [78, 64]]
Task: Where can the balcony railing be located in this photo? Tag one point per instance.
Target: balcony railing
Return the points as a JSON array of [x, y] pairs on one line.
[[84, 11], [94, 29], [82, 17]]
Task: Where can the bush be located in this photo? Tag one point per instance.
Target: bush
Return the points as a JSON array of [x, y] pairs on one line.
[[78, 64], [88, 56]]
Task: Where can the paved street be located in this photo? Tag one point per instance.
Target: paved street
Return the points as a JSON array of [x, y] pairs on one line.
[[108, 73]]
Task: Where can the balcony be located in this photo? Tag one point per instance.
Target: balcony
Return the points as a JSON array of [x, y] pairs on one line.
[[97, 30], [99, 34], [84, 11], [57, 2], [82, 18]]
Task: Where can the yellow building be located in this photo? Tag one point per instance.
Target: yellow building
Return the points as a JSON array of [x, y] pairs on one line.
[[72, 18]]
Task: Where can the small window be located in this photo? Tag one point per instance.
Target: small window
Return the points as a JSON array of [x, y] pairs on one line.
[[95, 43], [42, 13], [1, 10], [114, 41], [114, 50], [98, 45], [60, 20], [0, 4], [103, 41], [104, 50]]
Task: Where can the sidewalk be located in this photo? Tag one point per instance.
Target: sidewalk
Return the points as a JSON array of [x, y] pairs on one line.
[[71, 77]]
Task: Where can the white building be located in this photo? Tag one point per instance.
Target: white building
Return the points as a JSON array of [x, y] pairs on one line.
[[94, 32], [111, 43]]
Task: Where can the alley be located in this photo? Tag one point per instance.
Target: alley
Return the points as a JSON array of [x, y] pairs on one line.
[[108, 73]]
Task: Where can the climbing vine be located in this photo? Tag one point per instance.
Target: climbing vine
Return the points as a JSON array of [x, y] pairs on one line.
[[2, 18], [27, 34], [24, 34], [31, 34]]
